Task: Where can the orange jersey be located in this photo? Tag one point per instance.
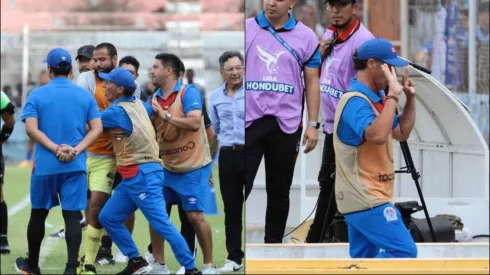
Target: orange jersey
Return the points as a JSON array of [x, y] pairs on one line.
[[101, 146]]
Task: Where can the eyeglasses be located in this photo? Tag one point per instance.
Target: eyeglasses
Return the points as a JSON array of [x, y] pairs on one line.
[[230, 69], [329, 49]]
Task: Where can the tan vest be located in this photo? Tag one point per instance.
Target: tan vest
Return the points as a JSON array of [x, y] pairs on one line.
[[141, 146], [181, 151], [365, 174]]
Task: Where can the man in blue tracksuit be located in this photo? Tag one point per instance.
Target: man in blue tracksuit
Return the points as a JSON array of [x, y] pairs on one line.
[[134, 141]]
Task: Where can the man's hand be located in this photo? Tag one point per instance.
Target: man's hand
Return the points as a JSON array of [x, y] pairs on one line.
[[310, 139], [157, 108], [408, 87], [66, 153], [390, 74], [324, 45]]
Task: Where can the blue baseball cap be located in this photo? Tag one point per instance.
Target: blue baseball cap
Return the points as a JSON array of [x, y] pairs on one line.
[[120, 76], [58, 58], [380, 50]]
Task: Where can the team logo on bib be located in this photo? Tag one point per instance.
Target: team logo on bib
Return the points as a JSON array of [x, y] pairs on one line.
[[270, 59], [390, 214]]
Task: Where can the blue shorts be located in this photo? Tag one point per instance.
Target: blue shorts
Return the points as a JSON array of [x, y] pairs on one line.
[[188, 189], [379, 233], [69, 188]]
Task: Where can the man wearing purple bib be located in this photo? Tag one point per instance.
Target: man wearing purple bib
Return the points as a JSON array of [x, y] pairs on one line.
[[340, 41], [282, 61]]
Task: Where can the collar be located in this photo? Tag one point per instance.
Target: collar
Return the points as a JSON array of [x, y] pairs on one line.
[[356, 85], [347, 33], [176, 88], [60, 80], [264, 23], [223, 88], [124, 98]]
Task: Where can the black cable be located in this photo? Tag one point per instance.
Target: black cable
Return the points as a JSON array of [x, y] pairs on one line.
[[326, 213], [297, 227], [481, 236]]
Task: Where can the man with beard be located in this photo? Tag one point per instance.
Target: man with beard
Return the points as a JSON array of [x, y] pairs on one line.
[[342, 38], [84, 58], [101, 162], [184, 148]]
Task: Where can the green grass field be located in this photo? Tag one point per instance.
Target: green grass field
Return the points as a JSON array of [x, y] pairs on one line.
[[53, 251]]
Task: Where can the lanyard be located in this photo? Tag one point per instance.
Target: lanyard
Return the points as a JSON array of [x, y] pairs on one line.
[[285, 45]]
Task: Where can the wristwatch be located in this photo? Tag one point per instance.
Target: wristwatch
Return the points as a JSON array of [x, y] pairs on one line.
[[315, 124], [167, 116]]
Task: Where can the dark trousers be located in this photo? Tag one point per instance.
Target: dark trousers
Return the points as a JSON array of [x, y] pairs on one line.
[[264, 138], [232, 184], [327, 206]]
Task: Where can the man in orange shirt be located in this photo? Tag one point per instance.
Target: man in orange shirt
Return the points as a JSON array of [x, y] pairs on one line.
[[101, 162]]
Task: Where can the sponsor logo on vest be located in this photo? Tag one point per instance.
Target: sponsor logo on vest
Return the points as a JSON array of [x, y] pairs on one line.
[[189, 146], [330, 91], [266, 86], [390, 214], [386, 177]]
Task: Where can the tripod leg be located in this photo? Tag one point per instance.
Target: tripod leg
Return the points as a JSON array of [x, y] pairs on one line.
[[415, 176]]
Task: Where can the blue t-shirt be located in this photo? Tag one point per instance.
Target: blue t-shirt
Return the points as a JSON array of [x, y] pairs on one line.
[[190, 101], [63, 110], [115, 117], [358, 114]]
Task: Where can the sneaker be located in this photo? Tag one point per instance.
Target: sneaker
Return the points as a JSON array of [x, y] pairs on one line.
[[88, 269], [58, 234], [22, 267], [193, 272], [72, 269], [120, 258], [104, 257], [83, 224], [149, 258], [231, 266], [209, 269], [157, 268], [181, 270], [137, 265], [4, 245]]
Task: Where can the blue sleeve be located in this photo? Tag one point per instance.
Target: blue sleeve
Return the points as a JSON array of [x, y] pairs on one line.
[[93, 111], [214, 116], [191, 100], [30, 109], [356, 117], [148, 107], [115, 117], [315, 60]]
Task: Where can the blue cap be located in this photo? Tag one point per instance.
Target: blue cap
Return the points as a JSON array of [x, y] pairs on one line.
[[120, 76], [58, 56], [380, 50]]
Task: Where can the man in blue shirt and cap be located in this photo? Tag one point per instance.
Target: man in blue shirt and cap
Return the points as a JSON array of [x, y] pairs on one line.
[[56, 117], [137, 154], [364, 128]]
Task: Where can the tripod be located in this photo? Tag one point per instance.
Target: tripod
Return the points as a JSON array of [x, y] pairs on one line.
[[410, 167]]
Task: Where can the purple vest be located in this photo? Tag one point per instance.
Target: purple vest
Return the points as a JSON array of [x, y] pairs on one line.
[[337, 72], [273, 77]]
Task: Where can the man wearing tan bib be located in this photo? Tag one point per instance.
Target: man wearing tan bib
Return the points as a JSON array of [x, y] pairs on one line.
[[364, 126], [101, 162], [184, 148]]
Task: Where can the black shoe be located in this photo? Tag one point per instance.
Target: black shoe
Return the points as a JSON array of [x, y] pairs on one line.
[[104, 257], [4, 245], [58, 234], [72, 269], [137, 265], [194, 271], [22, 267], [88, 269]]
